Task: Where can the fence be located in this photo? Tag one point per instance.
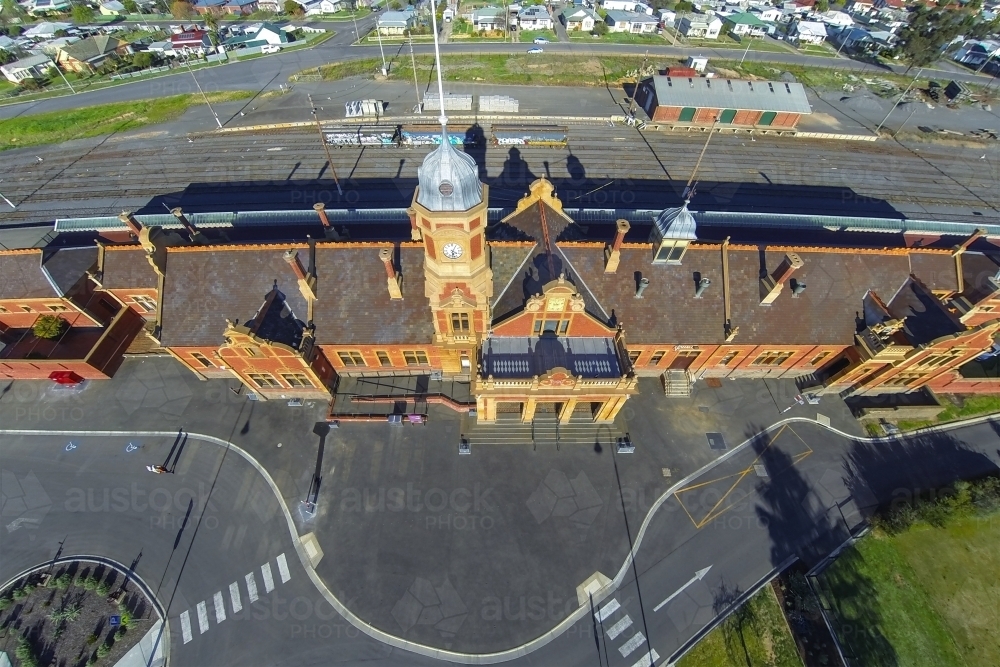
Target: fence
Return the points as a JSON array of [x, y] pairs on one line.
[[243, 53], [144, 72]]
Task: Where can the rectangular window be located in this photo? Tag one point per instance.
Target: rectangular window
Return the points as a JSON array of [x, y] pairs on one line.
[[252, 352], [657, 357], [297, 380], [201, 359], [903, 380], [351, 358], [27, 309], [728, 358], [819, 358], [148, 304], [550, 326], [460, 322], [383, 358], [415, 358], [264, 380], [634, 356], [56, 308], [772, 358], [538, 327], [564, 326], [3, 310]]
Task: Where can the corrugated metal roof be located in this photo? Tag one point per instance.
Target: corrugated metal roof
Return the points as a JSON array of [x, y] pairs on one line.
[[717, 93]]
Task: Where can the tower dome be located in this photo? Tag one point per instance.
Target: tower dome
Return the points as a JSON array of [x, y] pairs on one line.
[[448, 179], [675, 223]]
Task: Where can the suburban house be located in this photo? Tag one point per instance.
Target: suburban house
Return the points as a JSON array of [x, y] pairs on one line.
[[767, 14], [242, 7], [862, 6], [216, 7], [32, 67], [46, 7], [113, 8], [192, 42], [631, 22], [488, 18], [838, 19], [396, 23], [626, 6], [976, 52], [271, 6], [704, 102], [745, 23], [808, 32], [268, 33], [90, 53], [703, 27], [535, 17], [579, 19], [668, 16], [315, 7]]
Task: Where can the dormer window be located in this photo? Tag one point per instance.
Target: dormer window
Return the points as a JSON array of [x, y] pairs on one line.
[[671, 251]]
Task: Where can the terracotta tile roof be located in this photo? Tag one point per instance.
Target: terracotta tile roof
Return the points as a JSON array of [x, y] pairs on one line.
[[825, 313], [934, 269], [126, 267], [66, 267], [21, 276], [668, 311], [976, 268], [204, 287], [354, 306], [924, 319], [507, 260]]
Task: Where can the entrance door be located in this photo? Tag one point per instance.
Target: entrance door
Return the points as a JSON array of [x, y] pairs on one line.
[[687, 114], [767, 118], [683, 360], [727, 116], [508, 410]]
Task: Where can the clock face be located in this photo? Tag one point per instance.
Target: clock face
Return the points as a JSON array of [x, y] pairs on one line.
[[452, 250], [556, 304]]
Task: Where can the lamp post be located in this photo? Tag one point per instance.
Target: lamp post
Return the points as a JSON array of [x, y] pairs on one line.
[[203, 95], [901, 96]]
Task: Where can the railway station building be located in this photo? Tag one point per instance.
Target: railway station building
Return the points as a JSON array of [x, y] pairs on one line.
[[537, 314], [697, 103]]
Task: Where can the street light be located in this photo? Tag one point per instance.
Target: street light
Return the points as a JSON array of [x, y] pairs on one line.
[[203, 95], [901, 96]]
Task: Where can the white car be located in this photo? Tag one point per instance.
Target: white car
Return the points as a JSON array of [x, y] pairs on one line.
[[541, 40], [270, 48], [535, 50]]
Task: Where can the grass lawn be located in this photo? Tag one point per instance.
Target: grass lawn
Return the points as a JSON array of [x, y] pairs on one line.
[[60, 126], [814, 77], [925, 597], [618, 38], [528, 36], [517, 69], [756, 634], [818, 50], [972, 406]]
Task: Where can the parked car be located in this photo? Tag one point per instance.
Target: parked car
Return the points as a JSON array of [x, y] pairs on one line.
[[541, 40], [535, 50], [270, 48]]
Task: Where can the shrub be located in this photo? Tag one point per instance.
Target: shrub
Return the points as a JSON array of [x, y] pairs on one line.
[[25, 653], [90, 583], [103, 650], [103, 590], [5, 602], [49, 327], [63, 581], [126, 617], [121, 632], [20, 593], [92, 638]]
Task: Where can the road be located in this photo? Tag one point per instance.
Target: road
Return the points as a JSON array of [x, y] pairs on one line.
[[266, 73]]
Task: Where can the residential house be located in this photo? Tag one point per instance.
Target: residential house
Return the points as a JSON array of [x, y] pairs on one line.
[[853, 39], [535, 17], [217, 7], [890, 5], [838, 19], [578, 19], [46, 30], [47, 7], [626, 6], [767, 14], [113, 8], [267, 33], [745, 23], [488, 18], [7, 44], [317, 7], [668, 17], [242, 7], [862, 6], [976, 52], [808, 32], [32, 67], [630, 22], [90, 53], [192, 42], [396, 23], [702, 27], [273, 6]]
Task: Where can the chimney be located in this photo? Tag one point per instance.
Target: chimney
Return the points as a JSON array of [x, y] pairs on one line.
[[393, 280], [771, 286], [641, 287], [613, 255], [702, 286], [134, 226], [307, 285], [415, 234], [797, 288], [192, 231], [320, 209]]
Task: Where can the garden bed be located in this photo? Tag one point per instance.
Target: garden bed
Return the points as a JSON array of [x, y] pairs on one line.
[[64, 617]]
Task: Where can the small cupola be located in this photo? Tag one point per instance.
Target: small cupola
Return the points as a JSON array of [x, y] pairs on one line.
[[672, 231]]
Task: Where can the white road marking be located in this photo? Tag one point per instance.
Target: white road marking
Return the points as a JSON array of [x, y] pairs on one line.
[[202, 617], [647, 660], [186, 626], [632, 644], [251, 588], [265, 571], [234, 594], [283, 569], [619, 627], [220, 608], [607, 610]]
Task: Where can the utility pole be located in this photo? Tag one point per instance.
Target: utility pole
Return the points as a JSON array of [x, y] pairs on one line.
[[901, 96], [326, 148], [378, 34], [631, 106], [9, 202], [749, 42], [413, 65], [59, 69], [203, 95], [688, 190]]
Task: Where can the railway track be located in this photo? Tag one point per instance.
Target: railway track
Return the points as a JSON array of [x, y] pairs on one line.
[[602, 167]]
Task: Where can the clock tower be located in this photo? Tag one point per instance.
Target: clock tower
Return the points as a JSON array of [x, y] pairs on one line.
[[449, 215]]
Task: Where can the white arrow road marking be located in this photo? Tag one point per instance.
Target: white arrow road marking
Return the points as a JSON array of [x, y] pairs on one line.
[[283, 569], [234, 594], [698, 576], [220, 608], [202, 618], [607, 610], [619, 628], [647, 660], [186, 626], [634, 642], [251, 588], [265, 571]]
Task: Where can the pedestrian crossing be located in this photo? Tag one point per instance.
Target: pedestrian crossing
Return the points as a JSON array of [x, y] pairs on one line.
[[618, 628], [218, 600]]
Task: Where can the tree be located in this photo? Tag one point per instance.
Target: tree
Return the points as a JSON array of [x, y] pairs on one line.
[[292, 8], [684, 6], [930, 30], [49, 327], [180, 9], [6, 57], [82, 13], [130, 6], [143, 59], [600, 28], [822, 6]]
